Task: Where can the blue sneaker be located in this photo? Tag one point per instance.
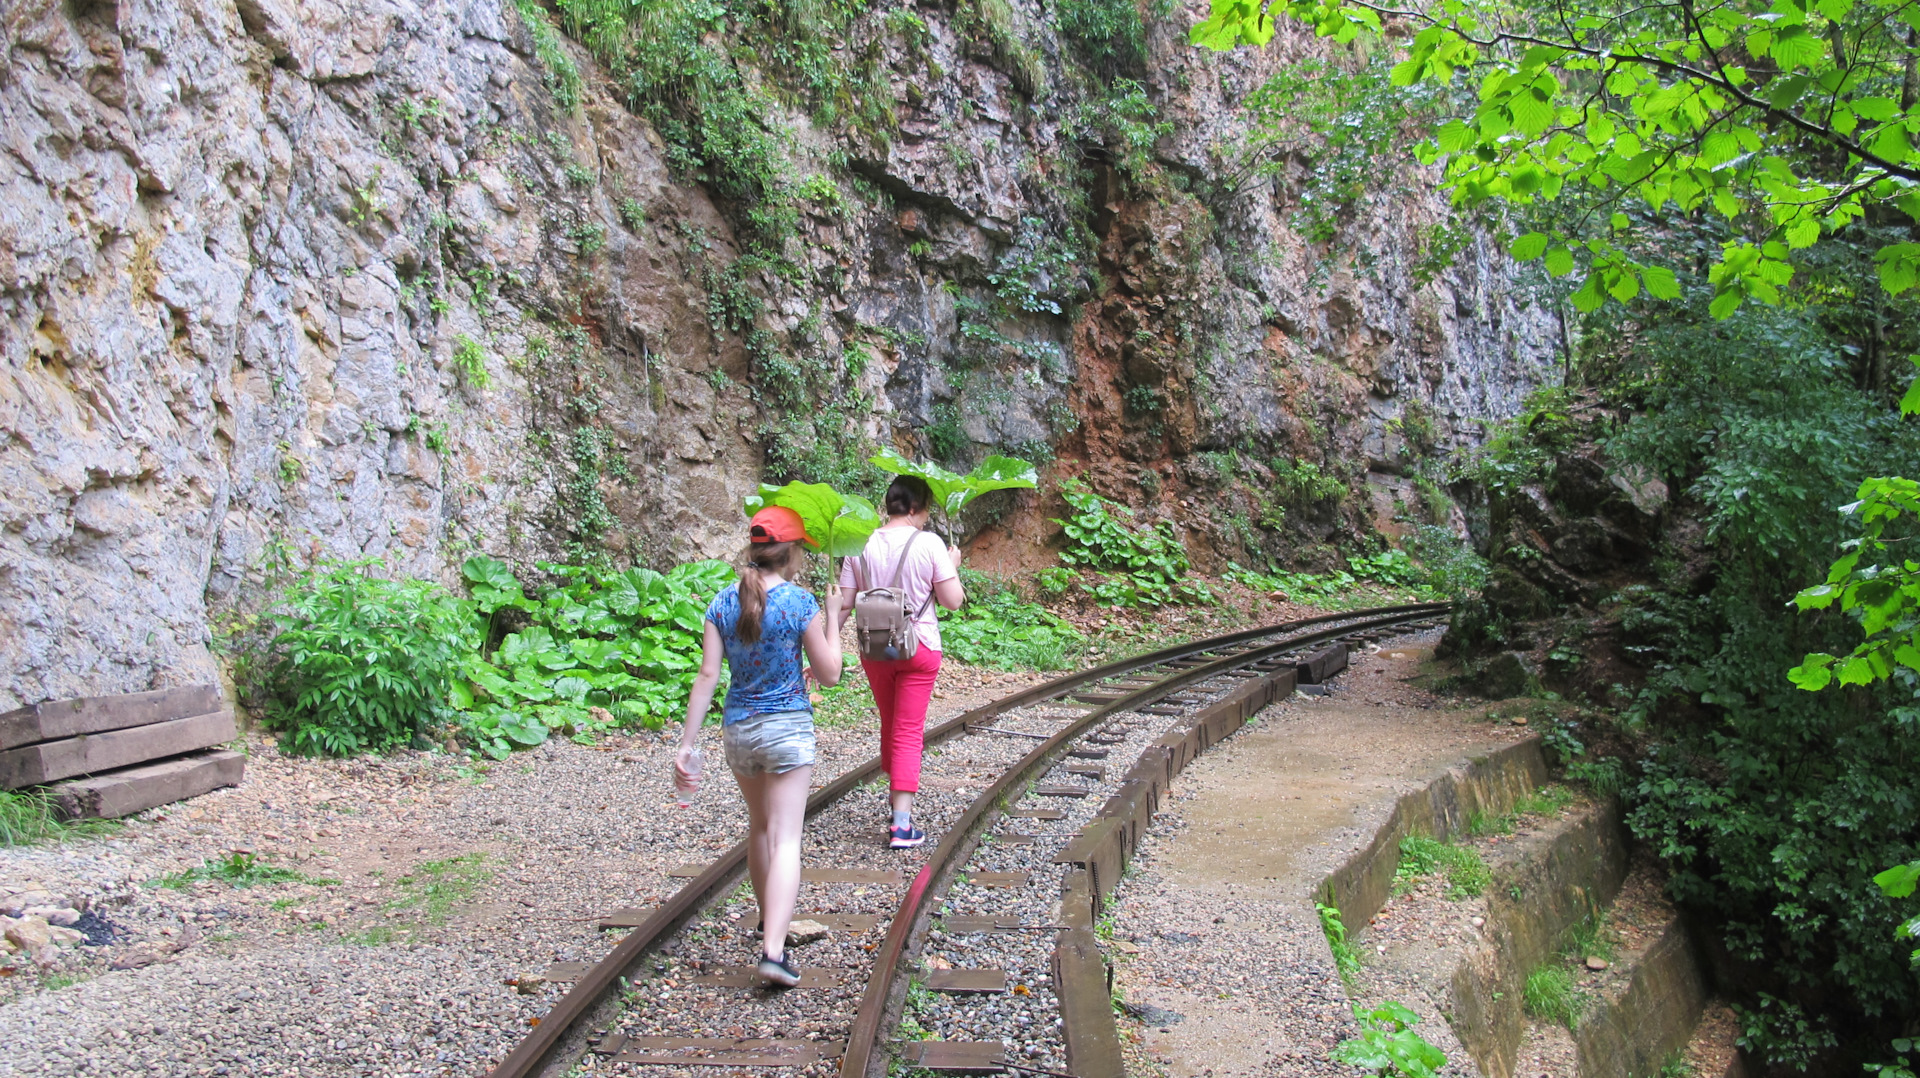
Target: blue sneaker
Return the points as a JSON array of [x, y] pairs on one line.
[[905, 838], [779, 970]]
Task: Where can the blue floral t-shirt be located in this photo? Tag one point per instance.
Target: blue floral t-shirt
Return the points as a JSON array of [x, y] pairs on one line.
[[765, 675]]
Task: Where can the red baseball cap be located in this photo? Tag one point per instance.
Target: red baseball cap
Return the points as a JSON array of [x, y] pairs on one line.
[[778, 524]]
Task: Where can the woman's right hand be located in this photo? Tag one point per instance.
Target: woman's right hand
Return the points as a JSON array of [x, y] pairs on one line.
[[953, 555], [683, 771]]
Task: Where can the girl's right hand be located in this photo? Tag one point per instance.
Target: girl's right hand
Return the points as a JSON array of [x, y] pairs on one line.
[[683, 771]]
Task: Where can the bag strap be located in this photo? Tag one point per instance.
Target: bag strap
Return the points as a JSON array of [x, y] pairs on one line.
[[922, 612], [900, 566]]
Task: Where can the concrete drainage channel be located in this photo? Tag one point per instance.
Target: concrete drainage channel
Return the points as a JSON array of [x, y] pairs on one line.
[[1547, 884]]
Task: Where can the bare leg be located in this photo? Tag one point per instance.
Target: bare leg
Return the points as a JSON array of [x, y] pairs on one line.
[[753, 790], [903, 802], [777, 809]]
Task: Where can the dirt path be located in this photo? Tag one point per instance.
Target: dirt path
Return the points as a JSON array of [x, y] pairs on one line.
[[1217, 946]]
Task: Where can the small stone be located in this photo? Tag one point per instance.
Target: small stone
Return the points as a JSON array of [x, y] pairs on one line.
[[1596, 963], [1478, 921], [66, 936], [54, 915], [135, 960], [528, 984], [801, 933], [30, 934], [1125, 948]]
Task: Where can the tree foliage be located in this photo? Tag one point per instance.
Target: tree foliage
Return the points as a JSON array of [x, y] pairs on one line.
[[1790, 119]]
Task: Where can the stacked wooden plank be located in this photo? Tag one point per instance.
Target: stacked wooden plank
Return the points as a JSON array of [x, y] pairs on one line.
[[114, 755]]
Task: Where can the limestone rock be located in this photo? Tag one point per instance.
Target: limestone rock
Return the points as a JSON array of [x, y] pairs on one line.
[[234, 287], [29, 933], [802, 932]]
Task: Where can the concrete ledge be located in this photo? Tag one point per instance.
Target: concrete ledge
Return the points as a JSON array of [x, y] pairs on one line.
[[1562, 877], [1489, 784], [1634, 1033]]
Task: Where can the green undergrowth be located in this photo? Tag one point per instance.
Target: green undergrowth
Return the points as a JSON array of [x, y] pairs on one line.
[[1466, 872], [997, 628], [28, 818], [1375, 580], [1132, 563], [427, 896], [1548, 802], [848, 704], [1552, 991], [241, 869], [1387, 1044], [366, 663], [1550, 995], [1345, 958]]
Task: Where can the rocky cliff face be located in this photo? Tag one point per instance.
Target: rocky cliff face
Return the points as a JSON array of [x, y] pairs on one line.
[[365, 279]]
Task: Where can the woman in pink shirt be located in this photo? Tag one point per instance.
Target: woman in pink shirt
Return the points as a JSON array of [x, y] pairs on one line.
[[902, 688]]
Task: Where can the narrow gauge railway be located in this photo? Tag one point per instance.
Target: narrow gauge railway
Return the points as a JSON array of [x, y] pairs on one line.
[[983, 943]]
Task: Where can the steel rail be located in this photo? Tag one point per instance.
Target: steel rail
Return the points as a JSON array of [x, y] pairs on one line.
[[864, 1036], [531, 1055]]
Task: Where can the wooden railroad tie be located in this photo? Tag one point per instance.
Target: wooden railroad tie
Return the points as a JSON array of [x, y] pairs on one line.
[[715, 1051], [1061, 791], [136, 751], [1037, 813], [956, 1057], [749, 977], [967, 981], [999, 879]]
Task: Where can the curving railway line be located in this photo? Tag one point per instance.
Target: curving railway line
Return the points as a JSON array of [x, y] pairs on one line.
[[980, 949]]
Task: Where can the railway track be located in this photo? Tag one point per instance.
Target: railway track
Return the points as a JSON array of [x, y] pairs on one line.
[[1038, 798]]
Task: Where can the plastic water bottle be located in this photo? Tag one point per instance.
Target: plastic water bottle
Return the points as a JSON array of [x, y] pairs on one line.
[[682, 792]]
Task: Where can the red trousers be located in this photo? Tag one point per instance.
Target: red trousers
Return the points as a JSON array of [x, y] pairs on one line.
[[901, 691]]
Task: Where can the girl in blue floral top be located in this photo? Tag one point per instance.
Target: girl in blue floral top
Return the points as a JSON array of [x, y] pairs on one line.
[[760, 626]]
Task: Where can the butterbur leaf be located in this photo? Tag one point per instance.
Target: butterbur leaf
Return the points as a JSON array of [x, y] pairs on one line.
[[946, 485], [952, 492], [999, 473], [838, 523]]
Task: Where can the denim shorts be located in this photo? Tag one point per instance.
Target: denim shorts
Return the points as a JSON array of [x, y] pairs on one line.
[[774, 742]]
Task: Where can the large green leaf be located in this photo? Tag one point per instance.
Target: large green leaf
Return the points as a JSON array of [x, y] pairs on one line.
[[952, 492], [839, 523], [945, 485], [998, 473]]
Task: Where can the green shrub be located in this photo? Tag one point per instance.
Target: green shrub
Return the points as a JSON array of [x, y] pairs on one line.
[[562, 75], [363, 663], [470, 362], [1387, 1044], [1109, 33]]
